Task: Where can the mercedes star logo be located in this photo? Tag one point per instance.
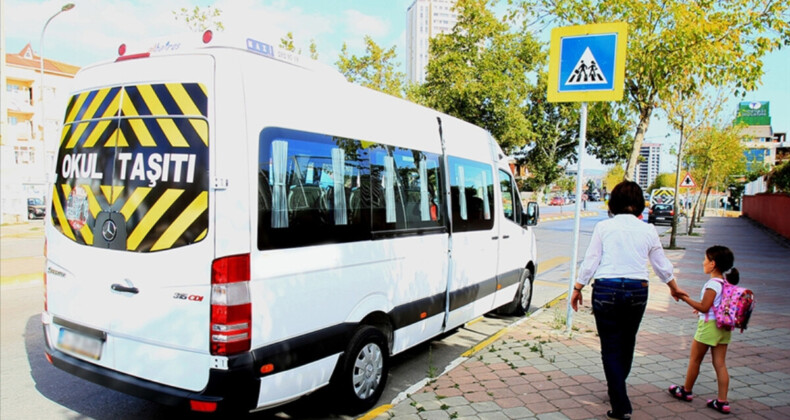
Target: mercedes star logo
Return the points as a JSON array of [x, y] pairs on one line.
[[108, 230]]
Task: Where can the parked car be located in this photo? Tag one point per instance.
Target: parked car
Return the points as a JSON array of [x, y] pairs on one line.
[[557, 201], [35, 208], [661, 213]]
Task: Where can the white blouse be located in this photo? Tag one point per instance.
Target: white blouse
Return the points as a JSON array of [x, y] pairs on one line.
[[620, 247]]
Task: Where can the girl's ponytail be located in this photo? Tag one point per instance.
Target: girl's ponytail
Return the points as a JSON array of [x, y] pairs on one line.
[[732, 276]]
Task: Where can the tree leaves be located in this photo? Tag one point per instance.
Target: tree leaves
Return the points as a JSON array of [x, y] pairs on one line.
[[375, 69]]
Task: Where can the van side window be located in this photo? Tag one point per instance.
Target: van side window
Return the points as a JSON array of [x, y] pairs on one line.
[[319, 189], [405, 189], [472, 208], [309, 189], [511, 202]]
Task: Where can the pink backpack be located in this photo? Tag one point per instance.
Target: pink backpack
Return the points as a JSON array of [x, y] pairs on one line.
[[735, 307]]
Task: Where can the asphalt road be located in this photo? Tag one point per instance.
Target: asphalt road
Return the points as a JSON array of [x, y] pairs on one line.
[[32, 388]]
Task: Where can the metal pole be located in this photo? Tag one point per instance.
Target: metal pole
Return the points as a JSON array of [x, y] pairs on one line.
[[577, 217], [65, 8]]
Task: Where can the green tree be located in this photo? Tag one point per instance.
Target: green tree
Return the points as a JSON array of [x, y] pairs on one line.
[[607, 132], [663, 180], [614, 176], [714, 157], [677, 45], [313, 50], [590, 187], [779, 178], [287, 43], [566, 184], [687, 112], [199, 19], [478, 73], [375, 69], [554, 128]]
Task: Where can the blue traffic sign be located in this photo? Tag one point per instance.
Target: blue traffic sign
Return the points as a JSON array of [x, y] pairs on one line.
[[587, 63]]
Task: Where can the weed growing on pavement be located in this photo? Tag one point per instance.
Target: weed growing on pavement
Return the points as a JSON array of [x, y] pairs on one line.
[[559, 320], [432, 370], [454, 415], [444, 407]]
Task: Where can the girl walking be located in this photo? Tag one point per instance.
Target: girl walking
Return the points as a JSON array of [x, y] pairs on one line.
[[719, 264]]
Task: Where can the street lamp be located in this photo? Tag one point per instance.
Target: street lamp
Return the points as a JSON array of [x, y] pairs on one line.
[[65, 8]]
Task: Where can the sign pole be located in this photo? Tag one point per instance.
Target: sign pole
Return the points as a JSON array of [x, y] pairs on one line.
[[577, 217]]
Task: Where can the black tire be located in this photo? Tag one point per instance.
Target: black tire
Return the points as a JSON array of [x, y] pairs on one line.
[[520, 304], [362, 372]]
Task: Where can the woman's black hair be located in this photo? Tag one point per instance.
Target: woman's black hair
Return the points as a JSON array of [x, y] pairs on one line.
[[724, 260], [627, 198]]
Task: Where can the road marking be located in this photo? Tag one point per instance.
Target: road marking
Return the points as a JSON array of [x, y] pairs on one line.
[[551, 263], [372, 414]]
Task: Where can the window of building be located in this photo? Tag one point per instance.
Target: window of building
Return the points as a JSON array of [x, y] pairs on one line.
[[24, 155]]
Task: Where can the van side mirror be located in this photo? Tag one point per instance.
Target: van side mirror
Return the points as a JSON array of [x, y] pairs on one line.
[[531, 216]]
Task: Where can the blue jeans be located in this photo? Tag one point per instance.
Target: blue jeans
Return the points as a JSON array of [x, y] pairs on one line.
[[618, 307]]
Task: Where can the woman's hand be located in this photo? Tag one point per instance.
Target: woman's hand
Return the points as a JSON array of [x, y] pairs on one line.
[[576, 299]]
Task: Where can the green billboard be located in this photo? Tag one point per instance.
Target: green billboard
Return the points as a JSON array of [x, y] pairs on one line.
[[753, 113]]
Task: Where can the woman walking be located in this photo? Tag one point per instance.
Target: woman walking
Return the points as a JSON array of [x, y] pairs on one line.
[[617, 258]]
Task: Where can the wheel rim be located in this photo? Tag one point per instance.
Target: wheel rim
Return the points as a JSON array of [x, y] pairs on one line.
[[368, 367], [526, 293]]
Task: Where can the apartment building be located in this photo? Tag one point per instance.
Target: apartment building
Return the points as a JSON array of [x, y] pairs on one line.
[[425, 19], [648, 167], [29, 139]]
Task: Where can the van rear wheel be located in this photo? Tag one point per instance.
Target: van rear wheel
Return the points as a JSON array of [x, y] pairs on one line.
[[363, 371], [520, 304]]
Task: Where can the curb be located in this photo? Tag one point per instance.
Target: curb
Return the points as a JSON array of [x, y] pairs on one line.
[[374, 413]]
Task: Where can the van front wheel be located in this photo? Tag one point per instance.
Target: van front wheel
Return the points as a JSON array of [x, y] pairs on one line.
[[363, 370], [520, 304]]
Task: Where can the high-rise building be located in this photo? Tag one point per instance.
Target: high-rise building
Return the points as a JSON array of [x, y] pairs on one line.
[[425, 19], [647, 169]]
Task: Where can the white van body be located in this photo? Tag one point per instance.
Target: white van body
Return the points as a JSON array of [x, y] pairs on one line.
[[234, 225]]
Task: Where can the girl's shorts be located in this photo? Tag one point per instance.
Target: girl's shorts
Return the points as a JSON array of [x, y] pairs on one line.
[[709, 334]]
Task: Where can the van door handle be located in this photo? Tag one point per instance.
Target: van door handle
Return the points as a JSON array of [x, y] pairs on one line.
[[494, 238], [121, 288], [506, 236]]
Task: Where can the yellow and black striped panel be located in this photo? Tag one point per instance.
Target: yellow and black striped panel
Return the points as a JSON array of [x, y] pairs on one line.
[[141, 151]]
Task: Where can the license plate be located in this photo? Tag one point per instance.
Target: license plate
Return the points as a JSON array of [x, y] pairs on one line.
[[80, 344]]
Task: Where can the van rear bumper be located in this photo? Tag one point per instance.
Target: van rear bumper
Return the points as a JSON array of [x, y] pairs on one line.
[[235, 389]]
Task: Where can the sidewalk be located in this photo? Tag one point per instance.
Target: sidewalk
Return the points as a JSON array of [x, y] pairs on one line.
[[534, 370]]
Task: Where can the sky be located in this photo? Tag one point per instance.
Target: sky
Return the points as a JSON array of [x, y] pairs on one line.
[[94, 29]]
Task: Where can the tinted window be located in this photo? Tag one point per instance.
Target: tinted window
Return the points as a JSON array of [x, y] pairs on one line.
[[472, 194], [511, 201], [405, 189], [317, 189]]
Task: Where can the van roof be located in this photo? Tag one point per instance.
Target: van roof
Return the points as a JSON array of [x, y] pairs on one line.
[[193, 41]]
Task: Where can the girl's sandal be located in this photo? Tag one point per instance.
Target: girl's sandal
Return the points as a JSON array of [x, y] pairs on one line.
[[720, 406], [680, 393]]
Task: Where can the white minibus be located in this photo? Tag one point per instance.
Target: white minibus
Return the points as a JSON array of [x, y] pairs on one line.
[[232, 226]]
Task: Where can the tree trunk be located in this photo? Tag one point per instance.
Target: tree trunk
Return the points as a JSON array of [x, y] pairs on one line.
[[675, 218], [696, 203], [641, 130], [705, 202]]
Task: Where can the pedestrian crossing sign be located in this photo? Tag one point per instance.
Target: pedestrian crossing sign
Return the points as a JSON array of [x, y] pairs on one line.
[[687, 182], [587, 63]]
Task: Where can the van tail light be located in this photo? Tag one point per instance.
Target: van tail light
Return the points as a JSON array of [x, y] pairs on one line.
[[672, 213], [231, 310]]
